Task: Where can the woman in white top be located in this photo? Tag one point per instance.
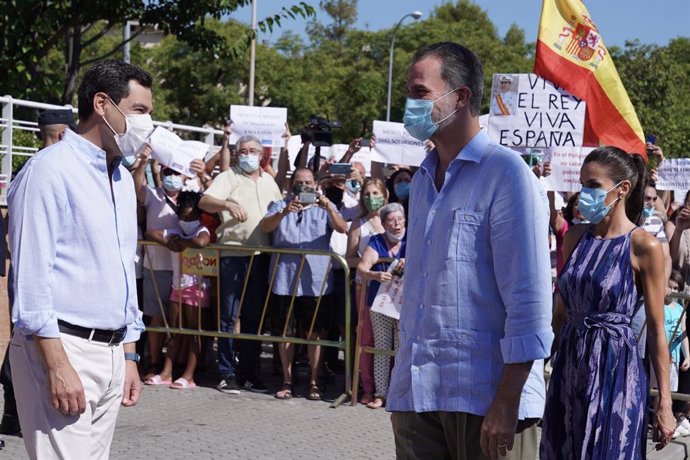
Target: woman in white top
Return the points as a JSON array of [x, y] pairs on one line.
[[373, 197]]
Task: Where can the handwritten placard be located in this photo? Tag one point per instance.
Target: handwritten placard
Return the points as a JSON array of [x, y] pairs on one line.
[[528, 111]]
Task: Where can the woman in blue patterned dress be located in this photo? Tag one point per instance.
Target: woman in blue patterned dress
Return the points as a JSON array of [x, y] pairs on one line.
[[597, 398]]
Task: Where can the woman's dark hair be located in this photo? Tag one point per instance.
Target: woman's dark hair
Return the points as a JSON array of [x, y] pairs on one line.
[[188, 199], [390, 184], [569, 210], [623, 166]]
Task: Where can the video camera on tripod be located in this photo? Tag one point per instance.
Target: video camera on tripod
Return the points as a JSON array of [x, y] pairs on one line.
[[319, 131]]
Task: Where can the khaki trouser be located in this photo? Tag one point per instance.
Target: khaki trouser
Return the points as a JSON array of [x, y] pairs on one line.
[[47, 433]]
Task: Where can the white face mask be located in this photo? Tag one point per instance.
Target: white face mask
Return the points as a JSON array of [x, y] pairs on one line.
[[138, 127], [393, 238], [188, 227]]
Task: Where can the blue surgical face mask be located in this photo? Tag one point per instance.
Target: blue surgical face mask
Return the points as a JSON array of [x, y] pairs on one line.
[[189, 227], [647, 212], [172, 183], [353, 186], [129, 160], [248, 163], [593, 205], [417, 118], [402, 190]]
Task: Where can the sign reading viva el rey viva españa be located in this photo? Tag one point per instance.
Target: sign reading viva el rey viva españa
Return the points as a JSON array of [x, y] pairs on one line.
[[528, 111]]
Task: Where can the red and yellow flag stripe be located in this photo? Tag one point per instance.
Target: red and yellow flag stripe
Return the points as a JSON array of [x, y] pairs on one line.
[[571, 54]]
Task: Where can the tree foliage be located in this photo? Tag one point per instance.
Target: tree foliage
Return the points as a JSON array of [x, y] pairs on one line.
[[32, 29], [202, 65]]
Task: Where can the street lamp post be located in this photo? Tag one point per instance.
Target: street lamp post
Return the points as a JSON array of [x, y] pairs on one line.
[[416, 15]]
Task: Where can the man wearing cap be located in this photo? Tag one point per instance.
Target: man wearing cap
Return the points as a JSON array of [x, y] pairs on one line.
[[52, 125], [73, 230], [503, 102]]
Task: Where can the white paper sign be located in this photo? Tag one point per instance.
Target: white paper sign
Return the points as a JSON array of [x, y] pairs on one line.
[[395, 145], [528, 111], [674, 174], [171, 151], [266, 123], [388, 300], [566, 163]]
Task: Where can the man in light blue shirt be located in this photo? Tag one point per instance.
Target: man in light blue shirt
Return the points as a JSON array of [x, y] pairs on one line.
[[73, 239], [476, 318], [303, 220]]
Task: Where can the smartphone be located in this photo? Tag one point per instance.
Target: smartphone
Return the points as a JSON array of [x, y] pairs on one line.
[[651, 139], [365, 143], [308, 198], [340, 169]]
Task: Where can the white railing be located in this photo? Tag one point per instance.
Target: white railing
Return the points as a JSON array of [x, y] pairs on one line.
[[8, 124]]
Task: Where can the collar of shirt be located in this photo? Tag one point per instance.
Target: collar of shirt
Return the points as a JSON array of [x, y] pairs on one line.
[[95, 155], [473, 152]]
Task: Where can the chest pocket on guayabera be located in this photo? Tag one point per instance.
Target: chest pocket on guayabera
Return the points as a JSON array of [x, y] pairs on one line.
[[468, 236]]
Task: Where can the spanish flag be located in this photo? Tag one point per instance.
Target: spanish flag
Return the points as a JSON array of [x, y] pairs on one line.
[[571, 54]]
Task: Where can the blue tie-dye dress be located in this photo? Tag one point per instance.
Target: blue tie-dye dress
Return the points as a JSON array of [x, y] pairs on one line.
[[596, 401]]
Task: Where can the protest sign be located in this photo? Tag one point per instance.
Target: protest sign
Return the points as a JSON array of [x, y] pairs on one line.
[[566, 163], [395, 145], [265, 123], [674, 174], [528, 111], [173, 152], [388, 300]]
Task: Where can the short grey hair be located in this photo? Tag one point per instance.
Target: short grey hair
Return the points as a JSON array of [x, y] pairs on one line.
[[460, 67], [246, 139], [391, 208]]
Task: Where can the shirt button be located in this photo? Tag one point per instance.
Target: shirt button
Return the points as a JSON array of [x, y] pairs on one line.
[[428, 242], [433, 211], [419, 337], [424, 274], [468, 217]]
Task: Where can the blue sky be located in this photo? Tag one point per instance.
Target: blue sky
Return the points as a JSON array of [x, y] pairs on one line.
[[618, 20]]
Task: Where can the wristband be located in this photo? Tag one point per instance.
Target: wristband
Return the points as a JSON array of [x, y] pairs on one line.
[[133, 357]]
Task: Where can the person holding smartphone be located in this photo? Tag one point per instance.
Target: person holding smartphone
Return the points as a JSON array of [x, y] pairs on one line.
[[303, 220]]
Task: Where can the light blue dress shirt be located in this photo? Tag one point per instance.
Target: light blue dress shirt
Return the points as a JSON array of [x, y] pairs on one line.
[[73, 242], [477, 289], [309, 229]]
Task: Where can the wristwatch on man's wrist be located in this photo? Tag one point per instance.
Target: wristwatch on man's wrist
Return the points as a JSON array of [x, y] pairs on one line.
[[133, 357]]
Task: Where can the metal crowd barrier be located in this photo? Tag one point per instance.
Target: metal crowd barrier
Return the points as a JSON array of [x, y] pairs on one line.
[[359, 348], [206, 262], [684, 298]]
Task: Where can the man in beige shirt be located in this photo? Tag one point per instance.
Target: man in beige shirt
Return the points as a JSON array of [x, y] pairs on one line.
[[241, 196]]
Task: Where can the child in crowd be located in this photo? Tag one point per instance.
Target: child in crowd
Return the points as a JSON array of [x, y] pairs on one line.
[[677, 338], [190, 291]]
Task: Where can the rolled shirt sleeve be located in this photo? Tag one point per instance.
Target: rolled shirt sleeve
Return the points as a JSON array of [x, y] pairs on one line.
[[36, 222], [523, 271]]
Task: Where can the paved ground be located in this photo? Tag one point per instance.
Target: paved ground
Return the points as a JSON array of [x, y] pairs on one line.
[[205, 424]]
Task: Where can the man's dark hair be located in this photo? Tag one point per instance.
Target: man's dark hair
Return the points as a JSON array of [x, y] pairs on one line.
[[459, 67], [111, 77]]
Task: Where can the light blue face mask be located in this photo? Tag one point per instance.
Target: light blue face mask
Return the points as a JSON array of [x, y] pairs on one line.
[[417, 118], [647, 212], [172, 183], [402, 190], [248, 163], [353, 186], [593, 205], [128, 160]]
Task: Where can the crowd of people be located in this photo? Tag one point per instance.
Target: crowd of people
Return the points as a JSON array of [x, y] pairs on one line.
[[479, 314]]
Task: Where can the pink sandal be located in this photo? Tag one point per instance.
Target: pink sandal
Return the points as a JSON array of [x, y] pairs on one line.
[[157, 380]]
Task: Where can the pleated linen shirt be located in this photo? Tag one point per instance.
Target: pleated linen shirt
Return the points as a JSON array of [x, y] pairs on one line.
[[477, 291], [73, 241]]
